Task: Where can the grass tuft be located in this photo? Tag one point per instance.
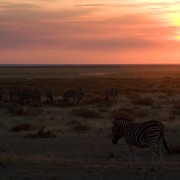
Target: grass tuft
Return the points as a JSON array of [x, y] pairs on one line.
[[80, 128], [41, 133], [142, 100], [22, 127], [175, 149], [86, 113]]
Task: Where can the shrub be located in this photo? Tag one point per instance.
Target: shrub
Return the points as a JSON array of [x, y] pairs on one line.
[[22, 127], [94, 99], [18, 110], [86, 113], [104, 106], [73, 123], [32, 111], [41, 133], [127, 113], [15, 109], [142, 113], [80, 128], [146, 101], [176, 107], [175, 149]]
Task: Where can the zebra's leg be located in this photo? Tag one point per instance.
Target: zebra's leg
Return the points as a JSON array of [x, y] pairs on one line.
[[161, 152], [134, 156], [153, 151]]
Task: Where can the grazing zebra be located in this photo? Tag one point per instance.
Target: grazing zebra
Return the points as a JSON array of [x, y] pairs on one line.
[[49, 95], [111, 92], [76, 95], [34, 96], [25, 95], [1, 98], [19, 94], [148, 134]]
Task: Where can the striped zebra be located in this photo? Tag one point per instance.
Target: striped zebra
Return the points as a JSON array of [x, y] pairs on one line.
[[25, 95], [76, 94], [111, 93], [148, 134], [1, 98], [49, 95], [19, 94], [34, 96]]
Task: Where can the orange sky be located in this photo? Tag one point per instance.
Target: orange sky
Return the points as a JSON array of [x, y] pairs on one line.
[[89, 31]]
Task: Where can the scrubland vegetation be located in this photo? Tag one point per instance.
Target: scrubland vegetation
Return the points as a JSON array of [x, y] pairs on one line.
[[68, 140]]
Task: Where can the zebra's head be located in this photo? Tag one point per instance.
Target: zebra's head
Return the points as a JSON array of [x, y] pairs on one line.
[[118, 129]]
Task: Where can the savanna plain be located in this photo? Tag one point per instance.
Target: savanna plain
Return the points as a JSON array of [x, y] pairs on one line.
[[73, 140]]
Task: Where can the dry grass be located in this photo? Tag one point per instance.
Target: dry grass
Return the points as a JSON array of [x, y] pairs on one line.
[[83, 130], [80, 128], [175, 149], [15, 110], [18, 110], [176, 107], [22, 127], [127, 113], [41, 133], [142, 100], [86, 112]]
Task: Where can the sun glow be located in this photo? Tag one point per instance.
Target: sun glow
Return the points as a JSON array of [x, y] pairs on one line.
[[175, 21]]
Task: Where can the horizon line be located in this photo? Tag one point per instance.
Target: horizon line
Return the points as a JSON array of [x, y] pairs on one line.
[[76, 65]]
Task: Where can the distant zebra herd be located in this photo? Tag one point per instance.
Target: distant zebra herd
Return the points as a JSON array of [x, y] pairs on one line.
[[28, 95]]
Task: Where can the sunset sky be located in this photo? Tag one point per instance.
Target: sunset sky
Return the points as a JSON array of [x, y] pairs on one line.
[[89, 31]]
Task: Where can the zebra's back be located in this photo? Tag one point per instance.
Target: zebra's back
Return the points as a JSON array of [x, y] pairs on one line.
[[143, 134]]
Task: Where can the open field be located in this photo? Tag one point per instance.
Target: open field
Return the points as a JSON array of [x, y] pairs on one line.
[[73, 141]]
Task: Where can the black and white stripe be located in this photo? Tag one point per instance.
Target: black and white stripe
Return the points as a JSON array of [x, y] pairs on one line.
[[25, 95], [49, 95], [76, 94], [149, 134], [111, 93]]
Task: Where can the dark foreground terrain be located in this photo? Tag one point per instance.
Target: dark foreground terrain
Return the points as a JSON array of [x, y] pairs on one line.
[[73, 141], [77, 157]]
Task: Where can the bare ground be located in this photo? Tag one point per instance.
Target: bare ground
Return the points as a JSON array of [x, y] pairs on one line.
[[77, 156]]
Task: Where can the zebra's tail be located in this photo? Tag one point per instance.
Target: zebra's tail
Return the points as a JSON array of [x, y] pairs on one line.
[[165, 145]]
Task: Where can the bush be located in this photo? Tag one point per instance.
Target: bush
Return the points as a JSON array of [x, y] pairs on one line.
[[176, 108], [41, 133], [175, 149], [142, 113], [86, 113], [15, 110], [18, 110], [22, 127], [146, 101], [94, 99], [126, 113], [80, 128]]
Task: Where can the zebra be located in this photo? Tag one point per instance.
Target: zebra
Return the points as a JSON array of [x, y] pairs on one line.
[[20, 94], [149, 134], [1, 98], [49, 95], [25, 95], [111, 92], [34, 96], [76, 94]]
